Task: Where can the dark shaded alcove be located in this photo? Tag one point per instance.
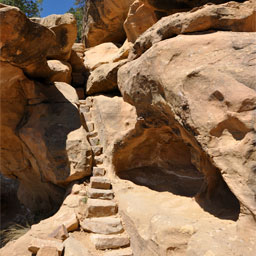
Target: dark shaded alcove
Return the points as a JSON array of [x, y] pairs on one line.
[[159, 159]]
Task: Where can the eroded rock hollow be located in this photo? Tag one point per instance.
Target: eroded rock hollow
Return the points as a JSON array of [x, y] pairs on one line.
[[139, 141]]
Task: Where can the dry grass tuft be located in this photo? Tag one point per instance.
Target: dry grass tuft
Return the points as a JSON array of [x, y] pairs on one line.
[[13, 232]]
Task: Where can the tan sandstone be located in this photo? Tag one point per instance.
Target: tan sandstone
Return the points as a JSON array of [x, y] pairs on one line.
[[64, 27], [30, 55], [232, 16], [138, 20], [61, 71], [103, 21]]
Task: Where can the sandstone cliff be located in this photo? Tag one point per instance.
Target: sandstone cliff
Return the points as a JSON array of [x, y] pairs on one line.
[[143, 138]]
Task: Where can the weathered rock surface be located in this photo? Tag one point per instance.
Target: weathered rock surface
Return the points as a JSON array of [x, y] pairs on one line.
[[100, 183], [37, 244], [60, 233], [113, 119], [172, 6], [79, 72], [119, 252], [48, 251], [165, 224], [61, 148], [103, 242], [231, 16], [73, 247], [100, 208], [64, 27], [103, 225], [139, 19], [100, 193], [16, 158], [44, 148], [61, 71], [100, 54], [104, 78], [103, 21], [30, 55], [169, 92]]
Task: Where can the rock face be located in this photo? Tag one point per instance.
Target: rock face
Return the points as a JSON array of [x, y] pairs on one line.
[[104, 78], [98, 55], [103, 21], [30, 55], [139, 19], [64, 27], [61, 71], [170, 6], [173, 156], [231, 16], [169, 92], [41, 146]]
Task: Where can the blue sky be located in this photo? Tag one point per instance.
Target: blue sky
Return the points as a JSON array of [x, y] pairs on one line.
[[56, 7]]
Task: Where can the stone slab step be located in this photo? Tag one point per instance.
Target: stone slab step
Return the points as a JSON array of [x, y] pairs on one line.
[[94, 141], [90, 126], [99, 160], [100, 208], [97, 150], [92, 135], [37, 243], [105, 194], [98, 171], [87, 116], [119, 252], [100, 182], [103, 242], [84, 109], [103, 225]]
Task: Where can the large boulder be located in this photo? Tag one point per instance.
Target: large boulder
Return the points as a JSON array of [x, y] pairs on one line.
[[100, 54], [179, 5], [198, 93], [231, 16], [138, 20], [30, 55], [104, 78], [61, 71], [64, 27], [113, 119], [103, 21]]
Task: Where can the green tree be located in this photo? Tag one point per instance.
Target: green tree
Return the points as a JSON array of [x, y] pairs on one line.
[[78, 11], [29, 7]]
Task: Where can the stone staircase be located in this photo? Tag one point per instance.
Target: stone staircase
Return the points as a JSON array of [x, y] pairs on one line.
[[102, 221]]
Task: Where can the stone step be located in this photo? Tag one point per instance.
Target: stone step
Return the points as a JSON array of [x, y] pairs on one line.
[[100, 182], [105, 194], [100, 208], [90, 126], [119, 252], [98, 171], [97, 150], [103, 242], [93, 134], [98, 160], [87, 116], [84, 109], [94, 141], [103, 225]]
